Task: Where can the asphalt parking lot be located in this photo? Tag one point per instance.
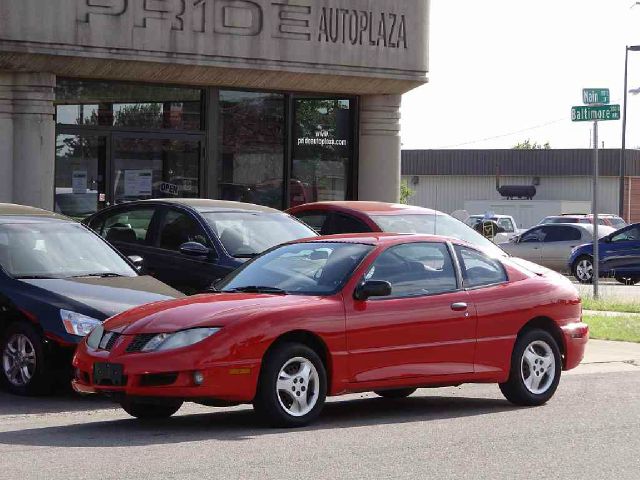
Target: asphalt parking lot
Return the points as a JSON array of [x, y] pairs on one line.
[[590, 430]]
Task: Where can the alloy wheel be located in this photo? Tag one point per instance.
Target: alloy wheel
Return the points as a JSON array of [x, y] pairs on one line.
[[584, 270], [298, 386], [538, 367], [19, 360]]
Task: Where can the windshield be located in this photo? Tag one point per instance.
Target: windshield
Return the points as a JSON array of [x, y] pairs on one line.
[[319, 268], [57, 250], [618, 223], [247, 234], [436, 225]]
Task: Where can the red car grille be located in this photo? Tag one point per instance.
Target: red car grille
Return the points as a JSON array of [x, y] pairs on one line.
[[139, 342]]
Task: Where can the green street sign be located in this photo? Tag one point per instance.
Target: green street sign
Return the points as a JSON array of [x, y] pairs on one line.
[[600, 113], [591, 96]]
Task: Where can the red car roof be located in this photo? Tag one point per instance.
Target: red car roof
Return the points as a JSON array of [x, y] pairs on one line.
[[375, 238], [377, 208]]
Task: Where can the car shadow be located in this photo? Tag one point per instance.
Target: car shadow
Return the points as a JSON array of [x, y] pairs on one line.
[[65, 401], [241, 424]]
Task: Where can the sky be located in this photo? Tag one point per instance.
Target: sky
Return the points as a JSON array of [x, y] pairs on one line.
[[504, 71]]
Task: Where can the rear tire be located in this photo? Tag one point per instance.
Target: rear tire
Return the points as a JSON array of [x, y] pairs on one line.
[[395, 394], [628, 280], [582, 269], [24, 366], [292, 388], [149, 411], [536, 366]]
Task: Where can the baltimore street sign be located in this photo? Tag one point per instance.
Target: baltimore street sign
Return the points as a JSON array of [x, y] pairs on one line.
[[596, 113]]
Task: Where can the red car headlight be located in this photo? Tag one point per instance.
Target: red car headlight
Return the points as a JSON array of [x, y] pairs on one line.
[[183, 338]]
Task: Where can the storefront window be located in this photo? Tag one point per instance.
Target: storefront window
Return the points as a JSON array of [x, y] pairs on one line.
[[123, 105], [80, 161], [155, 168], [251, 157], [322, 150]]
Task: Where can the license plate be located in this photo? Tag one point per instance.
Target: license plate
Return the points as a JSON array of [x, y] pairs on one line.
[[108, 374]]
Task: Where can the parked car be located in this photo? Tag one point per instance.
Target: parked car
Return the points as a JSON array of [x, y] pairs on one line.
[[551, 245], [506, 222], [619, 257], [608, 220], [328, 316], [330, 218], [58, 281], [192, 243]]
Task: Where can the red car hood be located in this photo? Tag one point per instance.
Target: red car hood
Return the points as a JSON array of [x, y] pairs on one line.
[[215, 310]]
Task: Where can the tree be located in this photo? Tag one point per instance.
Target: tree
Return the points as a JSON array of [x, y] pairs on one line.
[[405, 193], [527, 145]]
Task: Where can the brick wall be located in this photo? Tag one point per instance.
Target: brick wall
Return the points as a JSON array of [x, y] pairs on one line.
[[632, 199]]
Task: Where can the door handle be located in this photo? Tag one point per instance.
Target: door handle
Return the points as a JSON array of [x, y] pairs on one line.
[[459, 307]]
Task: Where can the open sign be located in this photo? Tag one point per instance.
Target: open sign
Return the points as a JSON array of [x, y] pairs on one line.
[[169, 188]]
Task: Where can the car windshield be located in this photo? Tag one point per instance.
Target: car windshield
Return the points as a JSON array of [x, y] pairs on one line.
[[436, 225], [617, 223], [318, 268], [57, 250], [247, 234]]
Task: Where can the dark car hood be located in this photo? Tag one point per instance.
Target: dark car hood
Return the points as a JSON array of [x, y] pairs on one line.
[[217, 310], [108, 296]]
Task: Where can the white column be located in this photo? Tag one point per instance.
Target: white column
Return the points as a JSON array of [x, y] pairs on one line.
[[27, 125], [379, 163]]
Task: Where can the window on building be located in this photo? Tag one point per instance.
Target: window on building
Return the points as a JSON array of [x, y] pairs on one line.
[[251, 148], [322, 148]]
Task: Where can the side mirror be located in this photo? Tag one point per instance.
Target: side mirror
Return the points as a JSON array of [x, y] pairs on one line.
[[372, 288], [606, 239], [194, 249], [137, 260]]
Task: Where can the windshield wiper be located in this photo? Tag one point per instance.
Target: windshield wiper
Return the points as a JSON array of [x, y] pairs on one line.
[[99, 275], [257, 289], [246, 255], [35, 277]]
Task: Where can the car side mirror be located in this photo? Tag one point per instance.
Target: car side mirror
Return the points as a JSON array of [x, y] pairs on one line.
[[606, 239], [372, 288], [194, 249], [137, 261]]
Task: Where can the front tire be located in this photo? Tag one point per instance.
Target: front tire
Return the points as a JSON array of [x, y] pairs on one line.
[[395, 394], [582, 269], [149, 411], [25, 370], [292, 388], [628, 280], [536, 366]]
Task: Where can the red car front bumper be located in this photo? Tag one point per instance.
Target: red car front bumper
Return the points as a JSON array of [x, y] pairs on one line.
[[169, 374], [576, 336]]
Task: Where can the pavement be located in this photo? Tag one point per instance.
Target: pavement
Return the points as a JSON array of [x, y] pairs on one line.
[[590, 430]]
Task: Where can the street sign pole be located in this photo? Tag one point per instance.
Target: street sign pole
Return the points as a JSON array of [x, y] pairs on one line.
[[596, 239]]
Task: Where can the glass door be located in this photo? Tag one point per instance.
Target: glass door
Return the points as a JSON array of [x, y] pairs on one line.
[[156, 166], [80, 178]]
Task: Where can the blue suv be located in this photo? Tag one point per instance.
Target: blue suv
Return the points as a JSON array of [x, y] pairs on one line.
[[619, 257]]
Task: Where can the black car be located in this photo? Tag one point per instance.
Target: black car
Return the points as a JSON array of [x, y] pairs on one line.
[[190, 244], [58, 280]]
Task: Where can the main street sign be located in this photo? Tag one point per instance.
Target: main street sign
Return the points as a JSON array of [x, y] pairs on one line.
[[599, 113], [592, 96]]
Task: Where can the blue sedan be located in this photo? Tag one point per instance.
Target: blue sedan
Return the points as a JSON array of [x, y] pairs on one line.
[[619, 257]]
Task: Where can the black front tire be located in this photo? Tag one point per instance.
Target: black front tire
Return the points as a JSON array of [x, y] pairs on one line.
[[395, 394], [149, 411], [41, 380], [574, 269], [267, 403], [514, 389], [628, 280]]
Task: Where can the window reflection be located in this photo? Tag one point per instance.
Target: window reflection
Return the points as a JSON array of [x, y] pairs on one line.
[[321, 149], [251, 134]]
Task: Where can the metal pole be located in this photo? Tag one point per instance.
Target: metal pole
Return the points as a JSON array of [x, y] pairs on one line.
[[624, 131], [596, 239]]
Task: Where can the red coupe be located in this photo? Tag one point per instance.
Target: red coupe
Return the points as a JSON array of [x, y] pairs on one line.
[[333, 315]]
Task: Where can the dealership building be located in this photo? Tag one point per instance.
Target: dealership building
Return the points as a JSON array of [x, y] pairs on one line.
[[277, 102]]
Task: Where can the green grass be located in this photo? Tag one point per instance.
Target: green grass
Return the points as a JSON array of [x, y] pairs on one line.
[[604, 305], [620, 328]]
